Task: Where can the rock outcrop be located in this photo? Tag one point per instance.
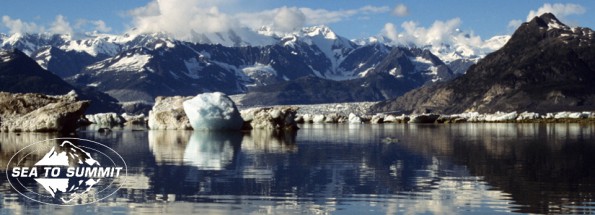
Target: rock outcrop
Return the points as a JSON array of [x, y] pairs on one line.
[[37, 112], [168, 114], [275, 118]]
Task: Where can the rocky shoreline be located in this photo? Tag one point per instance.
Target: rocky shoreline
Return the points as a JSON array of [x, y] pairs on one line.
[[42, 113], [31, 112], [470, 117]]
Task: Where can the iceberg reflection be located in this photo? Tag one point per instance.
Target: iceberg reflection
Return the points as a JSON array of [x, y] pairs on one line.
[[211, 150]]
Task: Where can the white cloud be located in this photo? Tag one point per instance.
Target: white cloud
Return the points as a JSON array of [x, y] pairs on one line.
[[289, 19], [514, 24], [443, 38], [101, 26], [559, 10], [19, 26], [390, 31], [311, 16], [95, 25], [184, 18], [181, 18], [323, 17], [369, 9], [401, 10], [61, 26], [439, 32]]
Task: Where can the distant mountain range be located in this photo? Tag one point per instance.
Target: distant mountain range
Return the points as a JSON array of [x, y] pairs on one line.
[[546, 66], [137, 68]]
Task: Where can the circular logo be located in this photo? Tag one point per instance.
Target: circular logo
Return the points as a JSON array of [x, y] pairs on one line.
[[66, 171]]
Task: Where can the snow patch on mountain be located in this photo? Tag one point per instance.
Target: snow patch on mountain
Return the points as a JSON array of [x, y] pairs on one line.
[[130, 63], [260, 69], [45, 57], [193, 67], [92, 46]]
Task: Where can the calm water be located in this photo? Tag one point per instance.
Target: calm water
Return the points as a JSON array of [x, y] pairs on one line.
[[343, 169]]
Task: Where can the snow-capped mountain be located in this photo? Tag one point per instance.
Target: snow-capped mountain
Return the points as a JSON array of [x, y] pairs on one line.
[[461, 49], [546, 66], [140, 67]]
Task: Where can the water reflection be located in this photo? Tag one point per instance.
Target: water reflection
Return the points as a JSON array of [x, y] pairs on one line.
[[267, 141], [546, 168], [11, 143], [211, 150], [440, 169], [168, 146]]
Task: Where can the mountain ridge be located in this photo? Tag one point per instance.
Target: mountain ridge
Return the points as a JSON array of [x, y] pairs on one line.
[[136, 68], [546, 66]]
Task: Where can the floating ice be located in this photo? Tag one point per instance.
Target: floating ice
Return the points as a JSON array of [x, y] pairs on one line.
[[213, 111]]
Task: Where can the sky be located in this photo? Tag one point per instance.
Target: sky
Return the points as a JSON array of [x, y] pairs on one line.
[[430, 20]]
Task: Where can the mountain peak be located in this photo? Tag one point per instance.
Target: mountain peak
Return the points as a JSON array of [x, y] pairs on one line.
[[320, 30], [549, 21], [543, 59]]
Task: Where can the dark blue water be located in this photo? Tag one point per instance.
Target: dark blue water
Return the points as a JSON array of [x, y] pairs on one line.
[[343, 169]]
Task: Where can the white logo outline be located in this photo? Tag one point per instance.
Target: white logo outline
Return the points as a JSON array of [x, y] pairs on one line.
[[68, 138]]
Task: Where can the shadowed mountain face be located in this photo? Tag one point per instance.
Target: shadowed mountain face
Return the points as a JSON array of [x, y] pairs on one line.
[[385, 74], [312, 90], [546, 66], [20, 74]]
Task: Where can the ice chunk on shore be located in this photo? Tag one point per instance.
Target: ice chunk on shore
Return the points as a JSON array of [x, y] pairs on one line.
[[390, 119], [105, 119], [331, 118], [501, 116], [308, 118], [377, 119], [570, 115], [354, 119], [213, 111], [319, 118], [527, 116]]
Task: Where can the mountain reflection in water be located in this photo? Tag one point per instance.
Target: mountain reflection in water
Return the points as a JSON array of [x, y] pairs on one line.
[[440, 169]]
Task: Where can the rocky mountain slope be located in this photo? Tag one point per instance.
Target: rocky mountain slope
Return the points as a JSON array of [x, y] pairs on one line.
[[21, 74], [546, 66], [138, 68]]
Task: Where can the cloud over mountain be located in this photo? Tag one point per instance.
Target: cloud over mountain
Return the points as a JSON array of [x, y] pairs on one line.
[[183, 18], [60, 25], [560, 10]]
